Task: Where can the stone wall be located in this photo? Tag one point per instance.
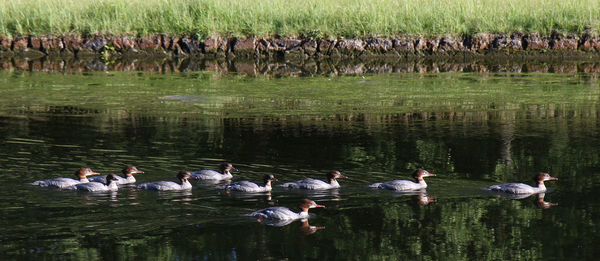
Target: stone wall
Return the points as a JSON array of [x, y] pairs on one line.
[[187, 46]]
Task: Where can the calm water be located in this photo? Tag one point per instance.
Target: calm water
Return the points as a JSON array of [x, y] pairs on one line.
[[472, 129]]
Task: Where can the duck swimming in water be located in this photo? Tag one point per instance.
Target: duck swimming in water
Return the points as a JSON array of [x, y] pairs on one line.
[[61, 183], [522, 188], [127, 178], [183, 177], [111, 185], [310, 183], [249, 186], [283, 213], [406, 185], [212, 175]]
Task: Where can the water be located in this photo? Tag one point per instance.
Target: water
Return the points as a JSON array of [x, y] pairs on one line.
[[472, 129]]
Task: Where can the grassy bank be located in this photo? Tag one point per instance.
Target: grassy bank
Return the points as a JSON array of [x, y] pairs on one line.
[[321, 18]]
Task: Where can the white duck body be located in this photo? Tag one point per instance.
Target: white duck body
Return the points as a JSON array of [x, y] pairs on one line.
[[406, 185], [209, 174], [166, 185], [316, 184], [400, 185], [522, 188], [98, 186], [278, 213], [63, 183], [517, 188], [213, 175], [60, 183], [247, 186], [128, 178], [120, 180], [283, 213], [183, 176], [310, 183]]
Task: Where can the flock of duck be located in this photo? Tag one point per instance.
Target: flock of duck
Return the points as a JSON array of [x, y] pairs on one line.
[[111, 182]]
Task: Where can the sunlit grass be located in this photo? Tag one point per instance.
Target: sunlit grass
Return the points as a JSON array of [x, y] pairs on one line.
[[321, 18]]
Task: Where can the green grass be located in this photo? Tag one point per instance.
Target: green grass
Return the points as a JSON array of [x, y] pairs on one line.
[[320, 18]]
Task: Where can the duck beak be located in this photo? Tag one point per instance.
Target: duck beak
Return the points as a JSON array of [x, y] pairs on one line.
[[319, 206], [430, 175], [138, 172], [92, 174], [552, 178]]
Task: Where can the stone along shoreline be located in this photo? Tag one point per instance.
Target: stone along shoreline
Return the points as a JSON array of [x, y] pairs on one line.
[[516, 44]]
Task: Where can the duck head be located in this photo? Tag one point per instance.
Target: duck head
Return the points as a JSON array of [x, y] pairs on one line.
[[420, 173], [268, 178], [334, 174], [82, 173], [226, 167], [130, 170], [110, 178], [543, 176], [307, 204], [184, 175]]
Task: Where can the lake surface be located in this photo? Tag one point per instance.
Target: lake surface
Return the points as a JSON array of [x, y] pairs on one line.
[[473, 129]]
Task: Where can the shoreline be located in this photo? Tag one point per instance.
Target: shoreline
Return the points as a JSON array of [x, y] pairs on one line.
[[558, 45]]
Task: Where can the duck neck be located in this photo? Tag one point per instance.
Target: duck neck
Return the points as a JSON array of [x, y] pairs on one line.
[[303, 212], [112, 184], [334, 183], [267, 183], [541, 186], [421, 182]]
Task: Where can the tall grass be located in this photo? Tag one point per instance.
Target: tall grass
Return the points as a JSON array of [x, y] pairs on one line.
[[349, 18]]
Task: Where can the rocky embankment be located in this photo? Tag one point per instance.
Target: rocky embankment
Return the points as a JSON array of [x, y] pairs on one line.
[[556, 44]]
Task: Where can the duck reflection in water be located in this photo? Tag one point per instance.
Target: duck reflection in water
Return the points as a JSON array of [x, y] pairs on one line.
[[539, 201], [420, 197], [98, 196], [307, 229], [542, 204], [251, 196], [423, 199]]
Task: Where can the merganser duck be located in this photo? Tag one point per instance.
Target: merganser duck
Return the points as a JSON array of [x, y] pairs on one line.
[[249, 186], [521, 188], [310, 183], [283, 213], [62, 183], [406, 185], [183, 176], [209, 174], [127, 179], [111, 185]]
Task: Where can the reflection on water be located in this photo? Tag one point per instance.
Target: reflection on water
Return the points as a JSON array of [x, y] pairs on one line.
[[542, 204], [279, 68], [473, 130]]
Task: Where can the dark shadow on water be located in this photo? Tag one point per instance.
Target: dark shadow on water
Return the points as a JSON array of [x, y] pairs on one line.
[[310, 67]]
